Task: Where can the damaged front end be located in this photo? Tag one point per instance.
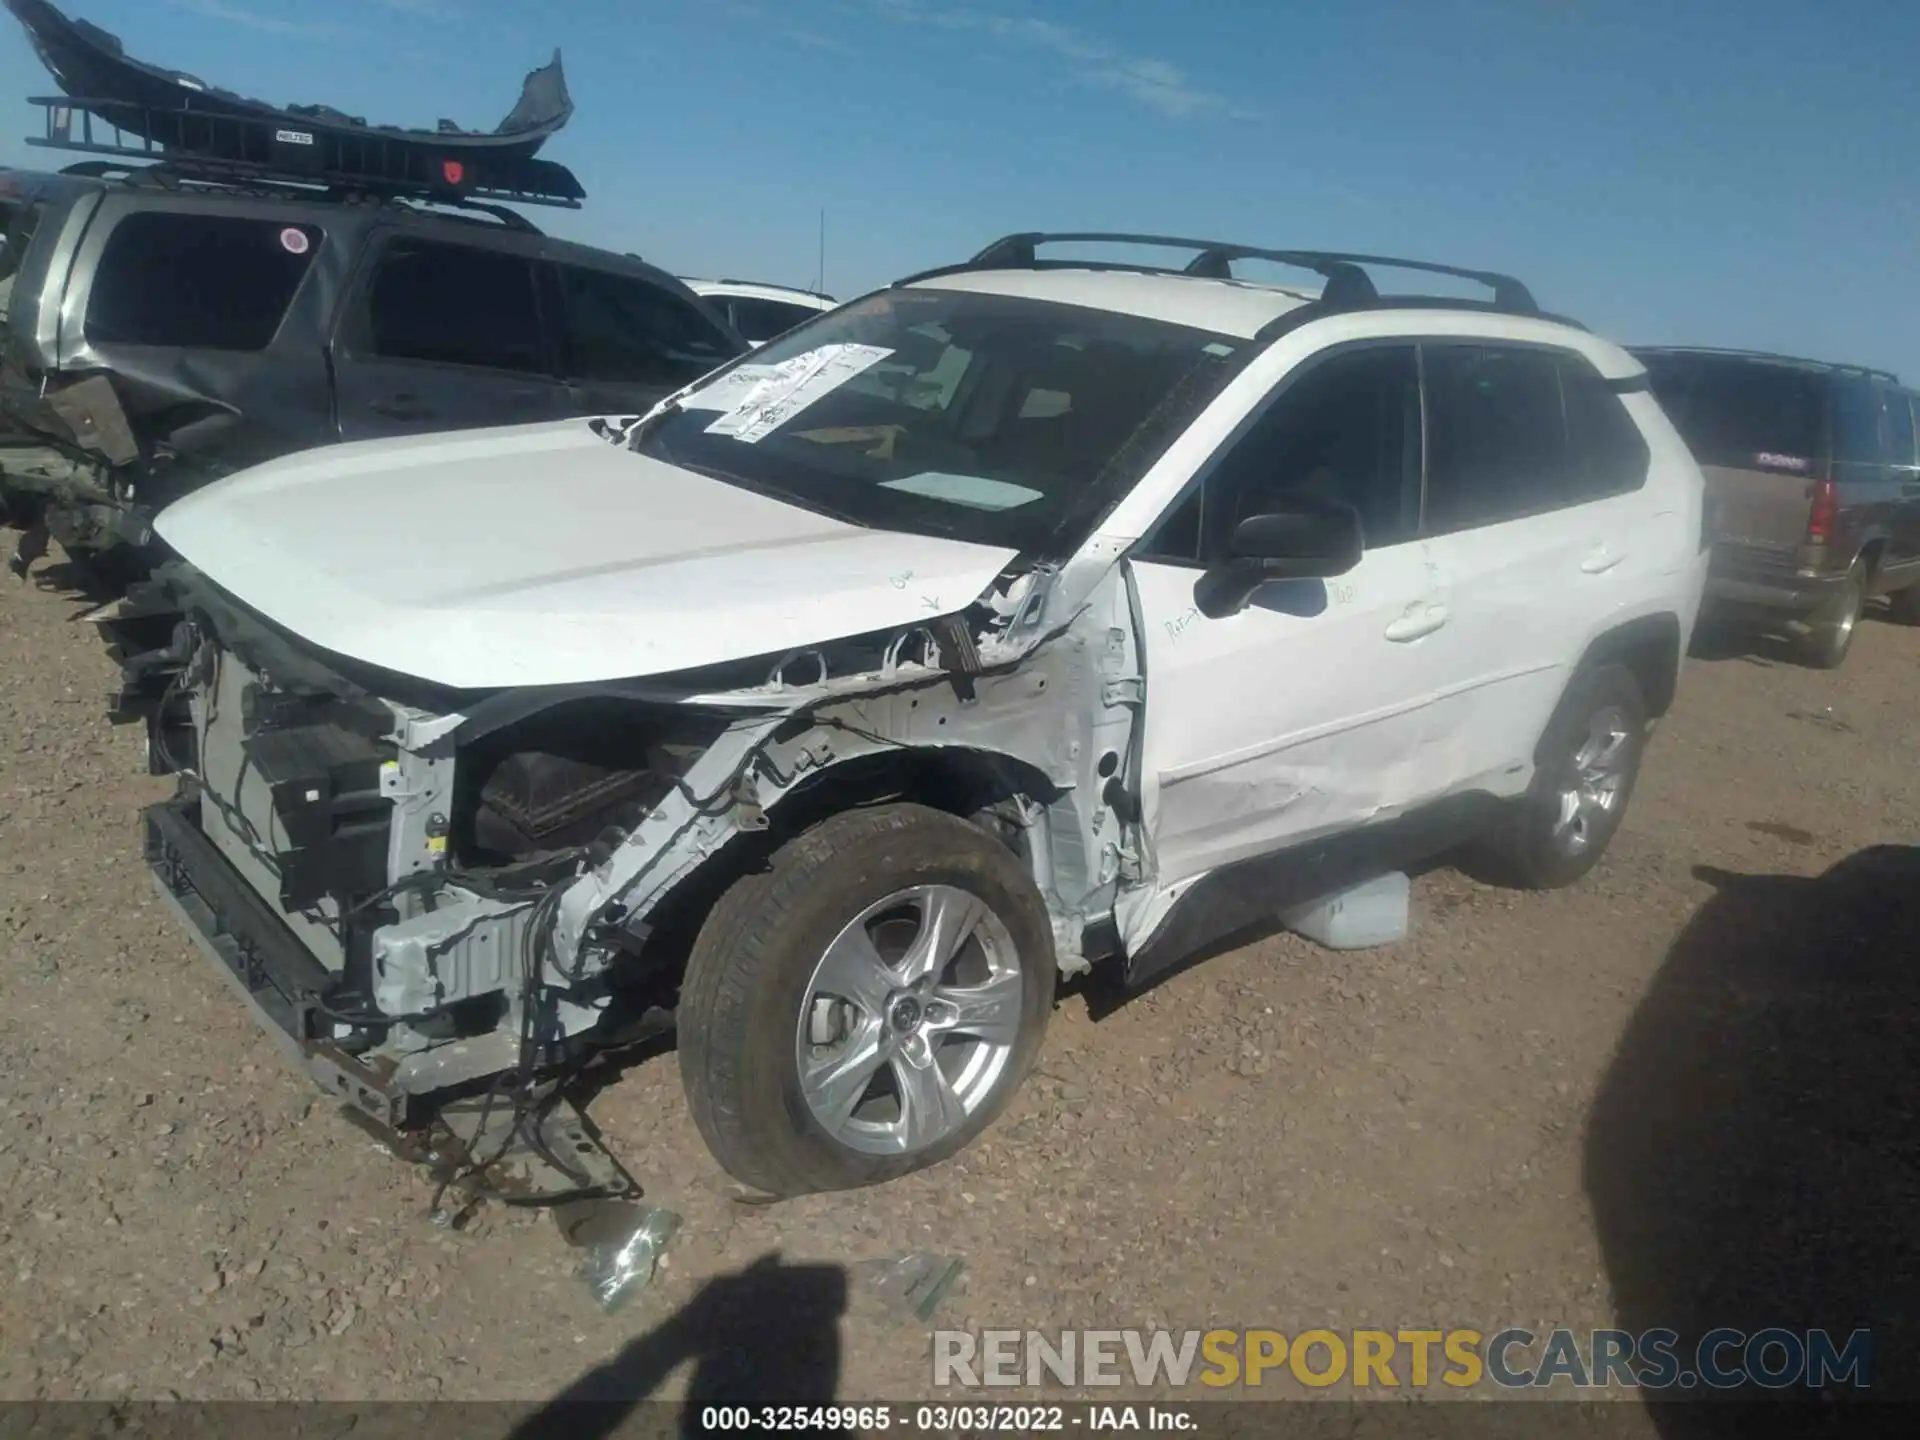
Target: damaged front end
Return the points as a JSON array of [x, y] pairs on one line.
[[446, 905]]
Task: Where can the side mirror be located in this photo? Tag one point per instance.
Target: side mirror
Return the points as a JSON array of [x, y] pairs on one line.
[[1303, 540]]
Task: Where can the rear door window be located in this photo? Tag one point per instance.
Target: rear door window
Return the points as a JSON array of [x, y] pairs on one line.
[[1496, 435], [623, 328], [450, 304], [203, 282], [1515, 431]]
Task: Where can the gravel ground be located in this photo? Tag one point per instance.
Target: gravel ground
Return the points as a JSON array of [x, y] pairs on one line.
[[1666, 1096]]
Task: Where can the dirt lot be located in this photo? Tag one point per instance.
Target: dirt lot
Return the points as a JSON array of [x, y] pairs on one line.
[[1654, 1099]]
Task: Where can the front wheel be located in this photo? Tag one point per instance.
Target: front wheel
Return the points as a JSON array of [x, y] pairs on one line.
[[1589, 761], [866, 1004]]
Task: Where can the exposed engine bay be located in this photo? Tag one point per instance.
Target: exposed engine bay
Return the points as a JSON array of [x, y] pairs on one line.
[[439, 899]]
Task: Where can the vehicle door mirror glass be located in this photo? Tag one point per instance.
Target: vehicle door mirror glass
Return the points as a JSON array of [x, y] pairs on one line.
[[1301, 540]]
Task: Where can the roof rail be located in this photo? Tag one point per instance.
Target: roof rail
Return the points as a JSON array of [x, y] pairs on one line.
[[1348, 287], [372, 164], [1737, 354]]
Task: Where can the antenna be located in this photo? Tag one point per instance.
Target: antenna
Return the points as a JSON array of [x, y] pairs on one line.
[[820, 276]]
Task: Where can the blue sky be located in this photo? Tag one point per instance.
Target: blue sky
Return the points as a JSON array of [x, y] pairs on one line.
[[1733, 172]]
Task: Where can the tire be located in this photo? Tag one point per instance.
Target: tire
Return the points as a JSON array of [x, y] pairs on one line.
[[1550, 840], [1905, 605], [759, 971], [1831, 630]]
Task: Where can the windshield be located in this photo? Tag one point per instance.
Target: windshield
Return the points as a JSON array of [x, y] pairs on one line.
[[996, 419]]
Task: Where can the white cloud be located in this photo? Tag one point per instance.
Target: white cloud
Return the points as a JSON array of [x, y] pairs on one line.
[[254, 20], [427, 9], [1156, 84]]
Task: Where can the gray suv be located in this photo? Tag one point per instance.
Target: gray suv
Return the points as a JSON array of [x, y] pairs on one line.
[[1813, 484], [160, 332]]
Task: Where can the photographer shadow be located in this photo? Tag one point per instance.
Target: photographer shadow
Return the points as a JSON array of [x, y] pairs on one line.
[[767, 1335], [1753, 1155]]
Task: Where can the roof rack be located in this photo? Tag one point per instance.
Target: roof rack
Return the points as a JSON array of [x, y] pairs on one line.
[[1737, 354], [250, 151], [1348, 287]]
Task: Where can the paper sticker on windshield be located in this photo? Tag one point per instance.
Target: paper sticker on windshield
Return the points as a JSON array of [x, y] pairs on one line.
[[730, 389], [799, 383], [976, 492], [293, 241]]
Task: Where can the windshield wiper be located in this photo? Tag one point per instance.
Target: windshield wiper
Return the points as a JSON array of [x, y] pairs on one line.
[[632, 429]]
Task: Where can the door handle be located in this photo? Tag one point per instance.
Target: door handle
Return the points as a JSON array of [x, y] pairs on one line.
[[1419, 620], [400, 407], [1601, 561]]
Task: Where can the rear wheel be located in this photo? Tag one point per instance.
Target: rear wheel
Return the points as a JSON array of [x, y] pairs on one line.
[[1832, 628], [1590, 759], [865, 1005]]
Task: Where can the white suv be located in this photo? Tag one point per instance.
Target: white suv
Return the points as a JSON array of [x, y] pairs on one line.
[[1022, 615], [760, 312]]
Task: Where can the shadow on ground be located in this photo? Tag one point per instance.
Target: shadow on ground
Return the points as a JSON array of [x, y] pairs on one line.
[[1762, 642], [1753, 1156], [768, 1335]]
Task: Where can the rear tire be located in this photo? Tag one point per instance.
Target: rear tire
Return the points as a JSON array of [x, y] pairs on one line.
[[1590, 760], [837, 960], [1837, 622]]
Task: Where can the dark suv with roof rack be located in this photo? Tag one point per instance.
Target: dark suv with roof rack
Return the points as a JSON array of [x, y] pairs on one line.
[[161, 330], [1814, 482]]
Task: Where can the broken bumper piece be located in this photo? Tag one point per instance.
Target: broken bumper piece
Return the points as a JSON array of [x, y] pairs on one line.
[[531, 1147]]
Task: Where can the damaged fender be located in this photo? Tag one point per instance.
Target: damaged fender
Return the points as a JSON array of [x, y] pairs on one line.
[[1052, 684]]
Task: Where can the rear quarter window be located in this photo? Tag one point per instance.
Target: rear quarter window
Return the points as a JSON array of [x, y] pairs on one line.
[[1859, 424], [200, 282], [762, 320], [1607, 454], [1900, 440]]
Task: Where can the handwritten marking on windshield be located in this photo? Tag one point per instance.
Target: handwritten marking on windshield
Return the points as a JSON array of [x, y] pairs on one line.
[[932, 602], [899, 581]]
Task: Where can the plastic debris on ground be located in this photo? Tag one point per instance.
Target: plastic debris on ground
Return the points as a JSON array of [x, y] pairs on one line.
[[1356, 919], [911, 1285], [624, 1243]]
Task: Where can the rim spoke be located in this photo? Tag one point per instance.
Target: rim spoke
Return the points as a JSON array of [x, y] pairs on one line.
[[1569, 812], [1607, 752], [948, 918], [835, 1085], [989, 1012], [929, 1109], [853, 970]]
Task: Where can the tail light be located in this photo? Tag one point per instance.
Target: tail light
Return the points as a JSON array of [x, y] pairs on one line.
[[1824, 511]]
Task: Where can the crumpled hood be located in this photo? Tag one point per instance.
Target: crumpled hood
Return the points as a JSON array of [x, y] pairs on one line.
[[543, 555]]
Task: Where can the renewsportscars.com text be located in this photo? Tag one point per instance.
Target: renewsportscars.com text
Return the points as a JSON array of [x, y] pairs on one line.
[[1510, 1359]]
